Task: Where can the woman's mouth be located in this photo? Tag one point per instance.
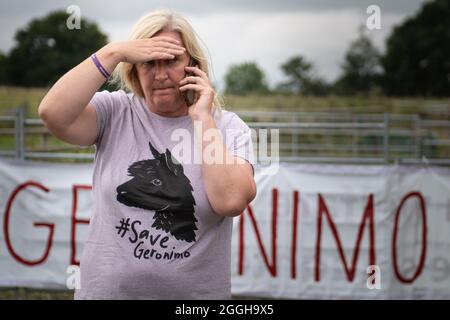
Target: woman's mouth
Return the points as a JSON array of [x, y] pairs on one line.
[[164, 90]]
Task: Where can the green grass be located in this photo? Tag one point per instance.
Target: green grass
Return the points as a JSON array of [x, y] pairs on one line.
[[39, 294], [376, 104], [34, 294], [11, 97]]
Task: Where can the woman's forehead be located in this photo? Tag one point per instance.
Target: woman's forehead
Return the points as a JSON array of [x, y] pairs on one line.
[[172, 34]]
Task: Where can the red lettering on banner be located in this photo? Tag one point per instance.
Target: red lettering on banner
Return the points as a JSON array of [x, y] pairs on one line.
[[51, 227], [368, 214], [424, 238], [272, 267], [294, 236], [75, 221]]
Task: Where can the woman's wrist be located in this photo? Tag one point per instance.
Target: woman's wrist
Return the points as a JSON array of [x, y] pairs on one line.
[[201, 116], [109, 56]]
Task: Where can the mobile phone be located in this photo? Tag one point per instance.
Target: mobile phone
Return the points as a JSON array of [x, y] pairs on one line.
[[189, 95]]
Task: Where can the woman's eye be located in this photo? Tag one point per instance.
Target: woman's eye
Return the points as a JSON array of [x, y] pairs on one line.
[[156, 182]]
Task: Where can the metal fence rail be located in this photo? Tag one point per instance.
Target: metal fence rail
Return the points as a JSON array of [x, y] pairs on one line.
[[303, 137], [356, 138]]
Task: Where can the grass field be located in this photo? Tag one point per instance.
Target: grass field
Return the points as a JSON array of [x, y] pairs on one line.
[[34, 294], [11, 97]]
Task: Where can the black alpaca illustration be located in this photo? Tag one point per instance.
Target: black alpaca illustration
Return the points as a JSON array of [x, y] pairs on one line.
[[159, 184]]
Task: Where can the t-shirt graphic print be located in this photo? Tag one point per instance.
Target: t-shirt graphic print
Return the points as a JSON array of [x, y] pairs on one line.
[[160, 185]]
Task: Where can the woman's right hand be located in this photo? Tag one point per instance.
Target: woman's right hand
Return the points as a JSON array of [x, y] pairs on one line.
[[143, 50]]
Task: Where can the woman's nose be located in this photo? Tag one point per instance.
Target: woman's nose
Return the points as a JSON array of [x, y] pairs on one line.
[[160, 71]]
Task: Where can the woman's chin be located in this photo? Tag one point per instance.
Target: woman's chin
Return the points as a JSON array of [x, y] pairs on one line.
[[167, 104], [164, 101]]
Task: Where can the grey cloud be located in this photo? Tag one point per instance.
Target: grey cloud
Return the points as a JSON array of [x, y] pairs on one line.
[[19, 12], [131, 8], [116, 19]]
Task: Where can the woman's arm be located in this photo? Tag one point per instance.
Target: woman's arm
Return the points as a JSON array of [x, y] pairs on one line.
[[229, 182], [65, 110]]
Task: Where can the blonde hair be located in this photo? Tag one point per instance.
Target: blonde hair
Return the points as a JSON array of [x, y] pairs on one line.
[[125, 74]]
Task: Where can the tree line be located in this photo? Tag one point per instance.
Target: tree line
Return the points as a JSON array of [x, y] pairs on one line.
[[416, 61]]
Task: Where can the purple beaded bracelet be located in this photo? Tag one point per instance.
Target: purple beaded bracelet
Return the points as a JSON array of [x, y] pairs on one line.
[[99, 66]]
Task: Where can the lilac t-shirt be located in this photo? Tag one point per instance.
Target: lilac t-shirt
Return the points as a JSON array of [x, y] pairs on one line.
[[153, 233]]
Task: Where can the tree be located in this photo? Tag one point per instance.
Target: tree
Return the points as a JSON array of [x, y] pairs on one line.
[[417, 59], [45, 49], [3, 69], [301, 79], [245, 78], [361, 69]]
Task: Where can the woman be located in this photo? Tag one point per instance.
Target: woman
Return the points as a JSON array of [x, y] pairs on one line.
[[161, 222]]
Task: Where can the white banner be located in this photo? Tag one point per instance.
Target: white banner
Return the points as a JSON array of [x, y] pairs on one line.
[[313, 231]]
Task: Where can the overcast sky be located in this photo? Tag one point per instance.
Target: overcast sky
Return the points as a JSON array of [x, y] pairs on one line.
[[266, 31]]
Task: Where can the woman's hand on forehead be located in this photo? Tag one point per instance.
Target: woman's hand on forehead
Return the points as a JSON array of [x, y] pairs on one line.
[[143, 50]]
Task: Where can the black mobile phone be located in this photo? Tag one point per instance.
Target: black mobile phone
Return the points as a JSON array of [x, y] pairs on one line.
[[189, 95]]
